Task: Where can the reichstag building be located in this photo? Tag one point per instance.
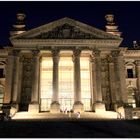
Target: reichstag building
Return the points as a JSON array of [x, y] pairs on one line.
[[69, 65]]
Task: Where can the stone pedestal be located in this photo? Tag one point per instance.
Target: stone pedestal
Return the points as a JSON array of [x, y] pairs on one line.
[[33, 108], [78, 107], [55, 107], [99, 107]]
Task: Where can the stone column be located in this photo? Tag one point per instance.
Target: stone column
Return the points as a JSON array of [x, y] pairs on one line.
[[98, 105], [9, 77], [92, 70], [112, 83], [121, 63], [15, 88], [55, 106], [34, 105], [78, 106], [20, 77], [138, 82], [119, 79]]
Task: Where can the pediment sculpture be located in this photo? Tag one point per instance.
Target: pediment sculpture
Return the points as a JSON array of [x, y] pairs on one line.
[[65, 31]]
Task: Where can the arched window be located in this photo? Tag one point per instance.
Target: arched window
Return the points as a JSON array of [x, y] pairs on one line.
[[1, 95], [131, 97]]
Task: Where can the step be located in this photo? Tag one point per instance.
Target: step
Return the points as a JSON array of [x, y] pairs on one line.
[[47, 115]]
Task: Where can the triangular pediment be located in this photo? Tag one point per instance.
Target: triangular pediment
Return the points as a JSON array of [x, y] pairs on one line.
[[65, 28]]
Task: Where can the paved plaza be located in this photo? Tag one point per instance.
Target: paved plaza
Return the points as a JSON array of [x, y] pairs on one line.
[[74, 128]]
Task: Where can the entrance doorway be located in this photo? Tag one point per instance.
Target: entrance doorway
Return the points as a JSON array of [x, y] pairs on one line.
[[66, 103]]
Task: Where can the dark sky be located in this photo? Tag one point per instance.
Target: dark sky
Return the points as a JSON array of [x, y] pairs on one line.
[[127, 15]]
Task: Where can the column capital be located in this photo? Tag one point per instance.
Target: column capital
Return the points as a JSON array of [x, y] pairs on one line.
[[115, 53], [110, 59], [76, 54], [55, 54], [21, 58], [104, 60], [92, 59], [16, 53], [35, 53], [96, 53]]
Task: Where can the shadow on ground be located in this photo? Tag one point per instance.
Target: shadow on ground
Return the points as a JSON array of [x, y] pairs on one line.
[[70, 129]]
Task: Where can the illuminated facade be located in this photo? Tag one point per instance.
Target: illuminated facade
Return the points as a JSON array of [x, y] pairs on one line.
[[69, 65]]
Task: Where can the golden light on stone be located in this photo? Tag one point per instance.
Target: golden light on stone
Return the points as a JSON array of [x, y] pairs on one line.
[[48, 70], [46, 83], [85, 83], [66, 86]]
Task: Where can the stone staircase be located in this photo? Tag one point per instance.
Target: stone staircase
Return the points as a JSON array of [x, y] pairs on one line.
[[60, 116]]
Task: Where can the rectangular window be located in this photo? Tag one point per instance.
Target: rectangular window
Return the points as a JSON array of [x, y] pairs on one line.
[[130, 73], [1, 73]]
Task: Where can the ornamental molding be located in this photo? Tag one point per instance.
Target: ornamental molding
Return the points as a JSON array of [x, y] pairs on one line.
[[134, 53], [99, 43]]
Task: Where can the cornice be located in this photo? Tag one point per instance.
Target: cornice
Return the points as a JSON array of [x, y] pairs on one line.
[[66, 42], [132, 53]]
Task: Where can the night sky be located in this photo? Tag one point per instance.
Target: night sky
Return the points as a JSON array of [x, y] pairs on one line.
[[127, 16]]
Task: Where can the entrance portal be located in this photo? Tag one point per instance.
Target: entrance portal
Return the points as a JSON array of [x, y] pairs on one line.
[[66, 104], [66, 87]]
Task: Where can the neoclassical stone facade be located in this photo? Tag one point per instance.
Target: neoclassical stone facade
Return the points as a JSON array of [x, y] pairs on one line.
[[69, 65]]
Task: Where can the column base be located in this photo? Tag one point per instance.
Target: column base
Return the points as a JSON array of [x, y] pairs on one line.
[[117, 105], [6, 109], [14, 109], [33, 108], [15, 105], [55, 107], [78, 107], [99, 107]]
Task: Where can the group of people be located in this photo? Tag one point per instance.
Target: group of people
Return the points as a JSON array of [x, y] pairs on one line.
[[69, 112]]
